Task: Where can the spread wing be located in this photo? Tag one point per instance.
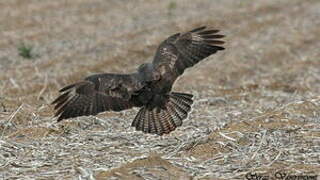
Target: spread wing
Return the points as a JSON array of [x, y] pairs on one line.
[[181, 51], [97, 93]]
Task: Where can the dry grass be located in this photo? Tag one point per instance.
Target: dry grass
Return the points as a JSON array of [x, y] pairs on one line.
[[257, 105]]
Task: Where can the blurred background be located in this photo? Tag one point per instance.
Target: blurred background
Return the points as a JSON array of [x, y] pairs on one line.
[[257, 104]]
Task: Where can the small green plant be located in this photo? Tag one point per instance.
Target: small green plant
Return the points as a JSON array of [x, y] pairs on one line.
[[25, 51], [171, 7]]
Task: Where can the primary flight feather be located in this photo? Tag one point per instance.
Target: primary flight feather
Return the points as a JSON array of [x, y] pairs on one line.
[[161, 111]]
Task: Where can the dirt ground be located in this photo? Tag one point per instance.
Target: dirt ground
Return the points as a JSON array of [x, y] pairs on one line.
[[257, 104]]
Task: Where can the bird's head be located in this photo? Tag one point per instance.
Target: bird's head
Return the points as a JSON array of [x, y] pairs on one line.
[[147, 72]]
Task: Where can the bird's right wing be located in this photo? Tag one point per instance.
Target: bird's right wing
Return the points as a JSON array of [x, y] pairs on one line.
[[116, 85], [97, 93]]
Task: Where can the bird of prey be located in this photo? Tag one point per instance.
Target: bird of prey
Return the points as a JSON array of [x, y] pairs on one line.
[[161, 110]]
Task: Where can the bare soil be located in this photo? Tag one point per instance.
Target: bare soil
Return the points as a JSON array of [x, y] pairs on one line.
[[257, 104]]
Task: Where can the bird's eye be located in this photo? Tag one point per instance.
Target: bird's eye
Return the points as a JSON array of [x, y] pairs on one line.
[[156, 76]]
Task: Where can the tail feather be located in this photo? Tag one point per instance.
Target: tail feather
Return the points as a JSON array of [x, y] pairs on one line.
[[136, 122], [152, 125], [188, 96], [183, 101], [181, 105], [157, 122], [169, 125], [185, 97], [163, 120], [146, 122], [175, 117]]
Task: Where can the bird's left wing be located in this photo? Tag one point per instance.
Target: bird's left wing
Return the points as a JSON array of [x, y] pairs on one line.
[[97, 93], [183, 50]]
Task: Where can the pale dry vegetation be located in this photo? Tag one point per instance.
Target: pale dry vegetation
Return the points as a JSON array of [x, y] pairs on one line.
[[257, 104]]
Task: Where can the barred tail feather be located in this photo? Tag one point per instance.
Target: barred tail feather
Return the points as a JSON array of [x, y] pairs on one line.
[[163, 120]]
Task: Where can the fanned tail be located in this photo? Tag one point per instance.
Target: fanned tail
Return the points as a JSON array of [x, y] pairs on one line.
[[163, 120]]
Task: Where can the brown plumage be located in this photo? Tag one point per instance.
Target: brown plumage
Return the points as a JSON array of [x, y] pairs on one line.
[[162, 111]]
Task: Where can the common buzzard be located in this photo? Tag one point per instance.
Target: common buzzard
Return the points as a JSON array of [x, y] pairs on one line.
[[161, 111]]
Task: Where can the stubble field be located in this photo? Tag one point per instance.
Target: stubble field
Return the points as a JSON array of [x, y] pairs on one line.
[[257, 104]]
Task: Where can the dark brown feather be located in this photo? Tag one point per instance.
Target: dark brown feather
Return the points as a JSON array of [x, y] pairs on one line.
[[182, 51], [163, 120], [83, 99], [209, 32], [198, 29]]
